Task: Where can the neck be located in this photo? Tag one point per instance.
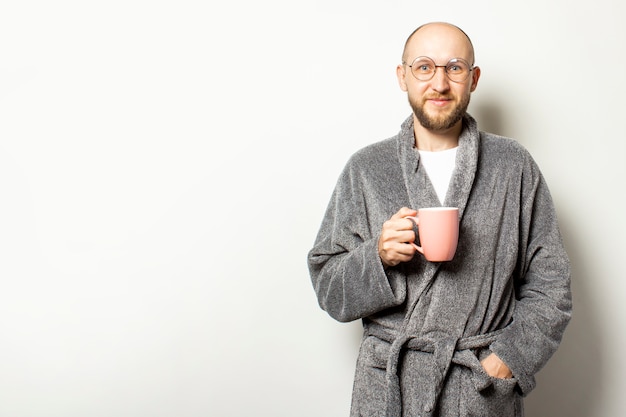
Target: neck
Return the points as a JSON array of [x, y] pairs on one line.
[[439, 140]]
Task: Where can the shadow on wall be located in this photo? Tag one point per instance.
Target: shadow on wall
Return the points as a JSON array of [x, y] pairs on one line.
[[571, 383], [490, 116]]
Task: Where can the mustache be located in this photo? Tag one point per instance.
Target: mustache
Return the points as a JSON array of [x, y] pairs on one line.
[[438, 97]]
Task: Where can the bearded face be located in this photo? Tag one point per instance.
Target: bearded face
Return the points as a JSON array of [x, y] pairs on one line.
[[439, 119]]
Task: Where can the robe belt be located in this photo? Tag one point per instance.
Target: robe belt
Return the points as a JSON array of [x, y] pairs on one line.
[[445, 351]]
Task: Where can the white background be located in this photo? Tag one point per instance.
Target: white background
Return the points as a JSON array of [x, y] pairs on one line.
[[165, 165]]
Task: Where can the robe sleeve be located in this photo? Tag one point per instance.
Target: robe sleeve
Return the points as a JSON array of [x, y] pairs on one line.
[[543, 295], [346, 271]]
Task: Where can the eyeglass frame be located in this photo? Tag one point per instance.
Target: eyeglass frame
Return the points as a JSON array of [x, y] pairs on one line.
[[445, 68]]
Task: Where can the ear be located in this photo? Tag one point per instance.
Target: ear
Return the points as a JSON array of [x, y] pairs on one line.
[[475, 77], [401, 74]]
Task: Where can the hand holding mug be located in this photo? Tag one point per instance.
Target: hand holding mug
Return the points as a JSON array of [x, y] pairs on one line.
[[438, 229], [394, 242]]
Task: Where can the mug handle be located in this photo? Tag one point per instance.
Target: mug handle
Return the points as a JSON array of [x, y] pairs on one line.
[[415, 220]]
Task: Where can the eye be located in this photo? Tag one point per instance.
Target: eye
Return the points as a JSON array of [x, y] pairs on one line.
[[423, 66], [456, 68]]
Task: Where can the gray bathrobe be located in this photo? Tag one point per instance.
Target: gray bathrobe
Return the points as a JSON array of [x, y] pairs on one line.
[[427, 325]]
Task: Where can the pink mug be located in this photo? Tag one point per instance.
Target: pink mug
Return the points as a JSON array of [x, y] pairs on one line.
[[438, 229]]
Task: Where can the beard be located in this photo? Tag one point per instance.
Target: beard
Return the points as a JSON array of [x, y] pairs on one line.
[[440, 122]]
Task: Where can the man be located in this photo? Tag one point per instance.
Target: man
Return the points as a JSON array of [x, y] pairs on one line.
[[457, 338]]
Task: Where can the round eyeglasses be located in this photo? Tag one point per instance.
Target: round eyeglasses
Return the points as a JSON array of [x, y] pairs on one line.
[[457, 69]]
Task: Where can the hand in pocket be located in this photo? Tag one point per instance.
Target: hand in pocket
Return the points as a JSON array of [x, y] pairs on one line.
[[495, 368]]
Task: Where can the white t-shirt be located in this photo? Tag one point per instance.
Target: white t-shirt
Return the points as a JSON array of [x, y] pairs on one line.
[[439, 167]]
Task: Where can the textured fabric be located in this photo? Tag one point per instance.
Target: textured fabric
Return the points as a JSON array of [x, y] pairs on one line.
[[427, 325]]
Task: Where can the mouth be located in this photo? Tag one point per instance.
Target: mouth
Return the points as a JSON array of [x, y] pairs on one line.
[[438, 101]]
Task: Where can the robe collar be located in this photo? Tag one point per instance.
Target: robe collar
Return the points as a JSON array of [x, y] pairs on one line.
[[420, 190]]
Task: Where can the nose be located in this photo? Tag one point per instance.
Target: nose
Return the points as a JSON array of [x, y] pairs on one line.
[[440, 81]]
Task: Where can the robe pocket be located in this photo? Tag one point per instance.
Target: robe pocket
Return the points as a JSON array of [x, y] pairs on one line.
[[499, 399], [368, 396], [487, 396]]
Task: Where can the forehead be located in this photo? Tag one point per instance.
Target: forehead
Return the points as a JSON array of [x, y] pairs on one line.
[[440, 42]]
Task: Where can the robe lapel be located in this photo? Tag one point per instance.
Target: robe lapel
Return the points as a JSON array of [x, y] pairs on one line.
[[421, 193], [420, 190], [465, 167]]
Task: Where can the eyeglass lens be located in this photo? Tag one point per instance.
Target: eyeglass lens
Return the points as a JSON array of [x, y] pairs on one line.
[[424, 69]]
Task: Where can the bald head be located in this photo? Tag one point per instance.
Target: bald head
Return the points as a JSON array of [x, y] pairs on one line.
[[441, 37]]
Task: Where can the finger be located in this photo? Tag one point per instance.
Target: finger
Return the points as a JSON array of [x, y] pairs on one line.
[[413, 224], [398, 234], [392, 253], [404, 212], [393, 226]]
